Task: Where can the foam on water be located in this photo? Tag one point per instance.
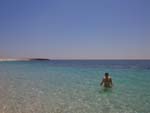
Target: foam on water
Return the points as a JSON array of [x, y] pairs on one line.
[[73, 87]]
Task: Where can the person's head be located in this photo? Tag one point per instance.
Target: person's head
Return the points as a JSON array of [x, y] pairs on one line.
[[106, 74]]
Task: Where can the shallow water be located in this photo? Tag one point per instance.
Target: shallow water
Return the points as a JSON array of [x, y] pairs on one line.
[[73, 87]]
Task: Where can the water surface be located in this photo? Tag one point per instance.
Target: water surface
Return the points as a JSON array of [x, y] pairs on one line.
[[72, 86]]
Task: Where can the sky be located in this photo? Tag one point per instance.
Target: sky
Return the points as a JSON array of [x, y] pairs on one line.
[[75, 29]]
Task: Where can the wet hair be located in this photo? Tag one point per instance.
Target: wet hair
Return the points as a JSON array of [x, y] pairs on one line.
[[106, 74]]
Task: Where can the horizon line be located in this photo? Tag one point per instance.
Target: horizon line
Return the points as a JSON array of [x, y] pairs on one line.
[[74, 58]]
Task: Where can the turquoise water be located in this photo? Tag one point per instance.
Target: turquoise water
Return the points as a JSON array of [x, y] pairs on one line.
[[73, 87]]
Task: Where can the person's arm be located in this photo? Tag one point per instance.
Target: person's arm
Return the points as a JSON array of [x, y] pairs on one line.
[[111, 82], [102, 82]]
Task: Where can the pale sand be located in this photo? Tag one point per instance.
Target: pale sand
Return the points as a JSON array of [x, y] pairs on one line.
[[10, 59]]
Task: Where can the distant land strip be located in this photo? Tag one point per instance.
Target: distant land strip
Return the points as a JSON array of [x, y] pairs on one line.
[[24, 59]]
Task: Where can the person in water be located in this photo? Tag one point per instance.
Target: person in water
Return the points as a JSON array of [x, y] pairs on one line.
[[107, 81]]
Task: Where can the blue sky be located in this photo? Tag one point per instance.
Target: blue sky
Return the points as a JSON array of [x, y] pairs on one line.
[[75, 29]]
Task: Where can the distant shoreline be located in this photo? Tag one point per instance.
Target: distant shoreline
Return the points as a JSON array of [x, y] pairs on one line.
[[25, 59], [14, 59], [46, 59], [39, 59]]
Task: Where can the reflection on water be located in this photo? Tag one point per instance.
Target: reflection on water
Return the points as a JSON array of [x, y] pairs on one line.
[[106, 90]]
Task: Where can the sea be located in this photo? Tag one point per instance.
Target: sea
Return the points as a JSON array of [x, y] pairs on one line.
[[73, 86]]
